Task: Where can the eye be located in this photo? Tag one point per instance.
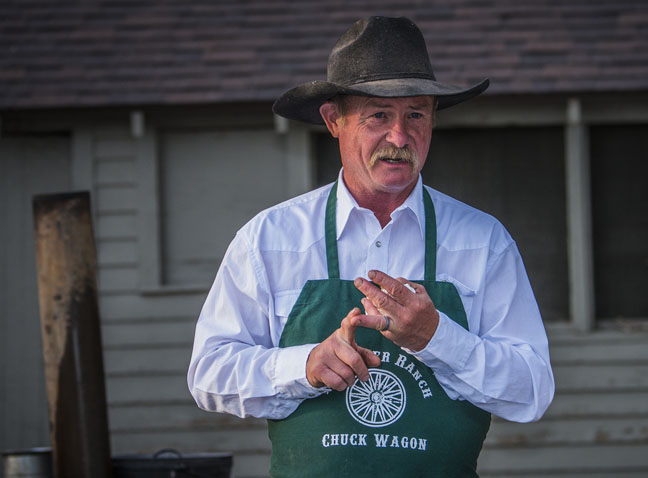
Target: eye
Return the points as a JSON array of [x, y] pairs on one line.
[[416, 115], [379, 115]]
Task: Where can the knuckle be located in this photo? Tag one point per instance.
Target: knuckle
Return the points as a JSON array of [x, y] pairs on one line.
[[356, 362], [337, 383], [381, 300]]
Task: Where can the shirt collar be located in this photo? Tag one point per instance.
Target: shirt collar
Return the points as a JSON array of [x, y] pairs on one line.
[[346, 203]]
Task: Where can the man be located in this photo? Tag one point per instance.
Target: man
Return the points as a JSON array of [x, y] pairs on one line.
[[375, 322]]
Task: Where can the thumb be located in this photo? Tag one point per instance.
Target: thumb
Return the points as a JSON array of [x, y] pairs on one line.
[[370, 358], [347, 328]]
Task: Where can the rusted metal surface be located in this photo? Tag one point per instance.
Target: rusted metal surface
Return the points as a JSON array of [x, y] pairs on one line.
[[72, 347]]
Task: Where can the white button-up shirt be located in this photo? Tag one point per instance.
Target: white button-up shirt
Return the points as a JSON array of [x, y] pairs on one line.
[[500, 364]]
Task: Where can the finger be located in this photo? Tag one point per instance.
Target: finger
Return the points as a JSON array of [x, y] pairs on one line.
[[348, 330], [370, 309], [334, 380], [370, 358], [383, 302], [393, 286], [411, 286], [351, 364], [375, 322]]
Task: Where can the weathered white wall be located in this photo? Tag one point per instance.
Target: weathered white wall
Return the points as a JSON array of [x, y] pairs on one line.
[[29, 164], [211, 180], [597, 426]]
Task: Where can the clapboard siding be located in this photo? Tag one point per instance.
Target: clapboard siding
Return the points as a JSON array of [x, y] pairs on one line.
[[577, 460], [116, 199], [590, 473], [601, 377], [134, 305], [152, 359], [228, 439], [116, 172], [113, 280], [568, 405], [117, 252], [120, 226], [181, 415], [597, 425], [148, 333], [596, 429]]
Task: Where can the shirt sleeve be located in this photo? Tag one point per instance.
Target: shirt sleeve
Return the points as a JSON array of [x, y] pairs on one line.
[[503, 365], [235, 367]]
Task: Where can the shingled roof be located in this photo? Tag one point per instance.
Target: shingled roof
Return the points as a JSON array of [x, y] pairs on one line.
[[128, 52]]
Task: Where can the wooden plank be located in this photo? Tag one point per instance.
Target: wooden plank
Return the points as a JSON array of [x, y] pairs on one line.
[[116, 199], [117, 279], [186, 416], [579, 219], [147, 388], [117, 252], [119, 145], [600, 377], [584, 459], [167, 359], [566, 336], [135, 306], [251, 465], [149, 203], [119, 226], [601, 403], [190, 441], [593, 352], [575, 474], [67, 293], [116, 172], [597, 430], [155, 332]]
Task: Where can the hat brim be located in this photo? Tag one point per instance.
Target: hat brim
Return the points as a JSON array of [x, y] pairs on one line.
[[302, 103]]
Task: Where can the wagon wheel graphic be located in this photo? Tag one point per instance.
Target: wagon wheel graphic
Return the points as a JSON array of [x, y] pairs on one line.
[[377, 402]]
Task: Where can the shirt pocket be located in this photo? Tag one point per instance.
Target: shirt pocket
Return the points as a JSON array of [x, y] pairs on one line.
[[284, 302], [466, 294]]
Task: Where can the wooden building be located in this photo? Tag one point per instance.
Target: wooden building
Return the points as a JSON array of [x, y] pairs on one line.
[[161, 110]]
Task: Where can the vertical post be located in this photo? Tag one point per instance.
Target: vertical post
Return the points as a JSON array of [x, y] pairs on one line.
[[299, 161], [579, 219], [72, 348]]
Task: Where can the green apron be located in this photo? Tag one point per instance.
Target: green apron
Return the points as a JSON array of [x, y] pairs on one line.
[[400, 422]]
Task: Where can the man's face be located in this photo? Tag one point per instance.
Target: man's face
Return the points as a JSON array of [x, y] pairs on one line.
[[384, 141]]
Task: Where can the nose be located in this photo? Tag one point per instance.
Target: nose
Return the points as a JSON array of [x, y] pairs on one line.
[[397, 134]]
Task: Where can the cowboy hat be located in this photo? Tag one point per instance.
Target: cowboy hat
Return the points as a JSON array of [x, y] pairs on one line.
[[377, 56]]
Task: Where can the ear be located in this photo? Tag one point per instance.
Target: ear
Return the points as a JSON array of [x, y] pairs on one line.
[[331, 117]]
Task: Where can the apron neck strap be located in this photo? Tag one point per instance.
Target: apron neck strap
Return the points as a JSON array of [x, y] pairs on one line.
[[330, 229], [331, 236], [430, 237]]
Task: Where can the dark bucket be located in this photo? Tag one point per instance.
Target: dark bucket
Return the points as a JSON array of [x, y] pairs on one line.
[[30, 463], [171, 464]]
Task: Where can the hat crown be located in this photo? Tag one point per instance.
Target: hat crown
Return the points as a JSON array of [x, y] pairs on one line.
[[379, 48]]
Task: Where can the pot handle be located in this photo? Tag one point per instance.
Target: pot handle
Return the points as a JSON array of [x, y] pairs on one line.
[[167, 451]]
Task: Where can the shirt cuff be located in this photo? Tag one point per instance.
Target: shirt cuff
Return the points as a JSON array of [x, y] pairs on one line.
[[449, 348], [290, 373]]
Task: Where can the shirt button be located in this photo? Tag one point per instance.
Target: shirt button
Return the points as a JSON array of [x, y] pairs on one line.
[[378, 243]]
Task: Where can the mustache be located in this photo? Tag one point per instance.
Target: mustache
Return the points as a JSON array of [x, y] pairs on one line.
[[392, 152]]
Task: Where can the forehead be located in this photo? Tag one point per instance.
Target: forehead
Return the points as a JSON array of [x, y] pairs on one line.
[[410, 102]]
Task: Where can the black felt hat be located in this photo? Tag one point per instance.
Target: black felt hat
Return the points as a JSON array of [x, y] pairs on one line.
[[377, 56]]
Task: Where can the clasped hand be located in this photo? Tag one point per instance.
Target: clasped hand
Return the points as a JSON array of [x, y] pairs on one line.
[[338, 360]]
